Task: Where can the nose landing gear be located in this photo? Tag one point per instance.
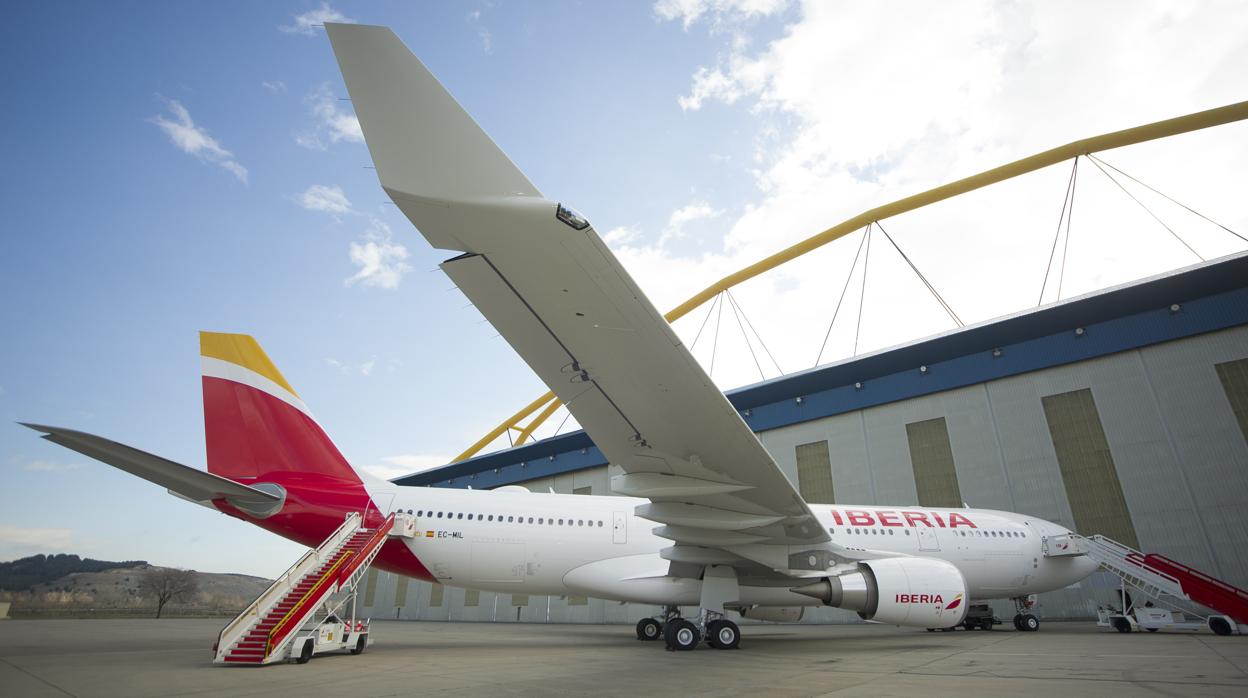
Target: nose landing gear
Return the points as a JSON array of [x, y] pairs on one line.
[[1024, 620]]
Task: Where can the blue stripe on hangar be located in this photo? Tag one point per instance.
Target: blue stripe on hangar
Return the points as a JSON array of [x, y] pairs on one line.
[[1211, 297]]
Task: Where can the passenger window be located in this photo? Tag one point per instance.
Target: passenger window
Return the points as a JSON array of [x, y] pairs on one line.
[[530, 519], [421, 512], [580, 522], [491, 517], [439, 514], [509, 518], [541, 521], [460, 516], [599, 524], [560, 522], [907, 531]]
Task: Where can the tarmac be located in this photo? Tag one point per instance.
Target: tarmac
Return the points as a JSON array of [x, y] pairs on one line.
[[172, 657]]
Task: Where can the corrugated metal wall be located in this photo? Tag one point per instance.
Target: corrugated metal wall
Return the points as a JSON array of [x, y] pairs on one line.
[[1172, 424]]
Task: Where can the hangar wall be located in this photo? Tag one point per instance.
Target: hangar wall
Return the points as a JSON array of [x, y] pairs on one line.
[[1148, 446]]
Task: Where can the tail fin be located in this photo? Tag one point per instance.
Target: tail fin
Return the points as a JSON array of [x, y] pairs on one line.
[[254, 422]]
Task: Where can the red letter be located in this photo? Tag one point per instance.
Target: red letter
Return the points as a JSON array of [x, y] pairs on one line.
[[884, 517], [859, 518], [938, 599], [939, 521], [836, 516], [913, 516], [956, 519]]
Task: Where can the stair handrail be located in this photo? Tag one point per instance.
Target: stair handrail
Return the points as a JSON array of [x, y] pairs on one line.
[[1222, 586], [340, 570], [367, 550], [1139, 571], [254, 608], [269, 642]]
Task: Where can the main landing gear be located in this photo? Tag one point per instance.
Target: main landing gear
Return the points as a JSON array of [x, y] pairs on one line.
[[1024, 620], [681, 635]]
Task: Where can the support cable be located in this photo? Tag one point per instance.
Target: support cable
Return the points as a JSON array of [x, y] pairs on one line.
[[1148, 210], [848, 277], [862, 296], [560, 427], [746, 337], [1168, 198], [1057, 234], [715, 340], [698, 336], [928, 284], [1070, 215], [733, 300]]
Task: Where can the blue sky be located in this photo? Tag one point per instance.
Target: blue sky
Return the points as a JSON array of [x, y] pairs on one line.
[[171, 167]]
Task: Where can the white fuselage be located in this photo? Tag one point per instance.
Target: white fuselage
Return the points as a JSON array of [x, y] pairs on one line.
[[515, 541]]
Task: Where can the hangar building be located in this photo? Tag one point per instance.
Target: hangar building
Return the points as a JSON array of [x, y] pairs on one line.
[[1122, 412]]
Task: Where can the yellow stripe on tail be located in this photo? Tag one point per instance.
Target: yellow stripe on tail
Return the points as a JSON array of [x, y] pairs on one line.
[[242, 350]]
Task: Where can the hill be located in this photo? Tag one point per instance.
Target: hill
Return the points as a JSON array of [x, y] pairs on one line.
[[28, 572], [114, 590]]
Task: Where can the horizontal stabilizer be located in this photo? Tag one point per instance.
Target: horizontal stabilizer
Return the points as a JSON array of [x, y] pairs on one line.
[[182, 480]]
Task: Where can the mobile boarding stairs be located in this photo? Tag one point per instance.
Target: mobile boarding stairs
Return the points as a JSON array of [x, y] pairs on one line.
[[302, 613], [1180, 591]]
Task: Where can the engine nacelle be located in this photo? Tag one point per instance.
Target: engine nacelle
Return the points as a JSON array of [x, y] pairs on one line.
[[914, 591], [774, 614]]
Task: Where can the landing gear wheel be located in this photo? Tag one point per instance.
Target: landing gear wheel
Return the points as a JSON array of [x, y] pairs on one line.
[[649, 629], [360, 645], [1121, 624], [1018, 622], [723, 634], [306, 653], [1219, 626], [985, 624], [1029, 623], [681, 635]]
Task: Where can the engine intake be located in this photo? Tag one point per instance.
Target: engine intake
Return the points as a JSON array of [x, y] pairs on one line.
[[919, 592]]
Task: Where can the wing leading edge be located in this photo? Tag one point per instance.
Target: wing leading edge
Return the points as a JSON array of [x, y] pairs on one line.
[[558, 295]]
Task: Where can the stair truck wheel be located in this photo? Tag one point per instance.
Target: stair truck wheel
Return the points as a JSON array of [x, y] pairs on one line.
[[985, 624], [305, 654], [649, 629], [360, 645], [1030, 623], [681, 635], [1219, 626], [1121, 624], [723, 635]]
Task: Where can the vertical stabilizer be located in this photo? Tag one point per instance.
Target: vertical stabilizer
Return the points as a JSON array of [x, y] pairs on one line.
[[254, 422]]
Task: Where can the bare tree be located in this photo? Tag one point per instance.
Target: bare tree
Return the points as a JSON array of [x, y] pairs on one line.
[[167, 585]]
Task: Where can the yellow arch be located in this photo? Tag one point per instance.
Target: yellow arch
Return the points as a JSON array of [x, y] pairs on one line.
[[1107, 141]]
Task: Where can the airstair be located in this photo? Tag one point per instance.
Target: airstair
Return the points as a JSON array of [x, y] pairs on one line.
[[1160, 578], [311, 594]]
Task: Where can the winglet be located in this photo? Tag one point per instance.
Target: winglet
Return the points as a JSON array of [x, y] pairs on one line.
[[424, 145]]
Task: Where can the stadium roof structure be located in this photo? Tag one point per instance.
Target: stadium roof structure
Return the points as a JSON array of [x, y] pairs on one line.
[[1182, 303]]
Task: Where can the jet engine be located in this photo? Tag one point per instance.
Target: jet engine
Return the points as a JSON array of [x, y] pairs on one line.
[[914, 591], [775, 614]]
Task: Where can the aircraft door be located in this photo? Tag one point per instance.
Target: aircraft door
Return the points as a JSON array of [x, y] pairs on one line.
[[927, 539], [619, 527]]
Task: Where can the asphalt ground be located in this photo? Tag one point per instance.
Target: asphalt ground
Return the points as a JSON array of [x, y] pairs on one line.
[[172, 657]]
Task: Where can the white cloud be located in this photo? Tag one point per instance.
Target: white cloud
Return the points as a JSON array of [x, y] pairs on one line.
[[192, 139], [380, 259], [689, 12], [49, 466], [682, 217], [307, 23], [483, 34], [333, 125], [18, 540], [849, 115], [364, 368], [274, 85], [398, 466], [326, 199]]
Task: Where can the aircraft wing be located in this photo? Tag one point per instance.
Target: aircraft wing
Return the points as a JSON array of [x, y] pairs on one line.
[[543, 277], [181, 480]]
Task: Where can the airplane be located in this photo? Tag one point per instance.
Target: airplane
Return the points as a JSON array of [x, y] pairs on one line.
[[705, 519]]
